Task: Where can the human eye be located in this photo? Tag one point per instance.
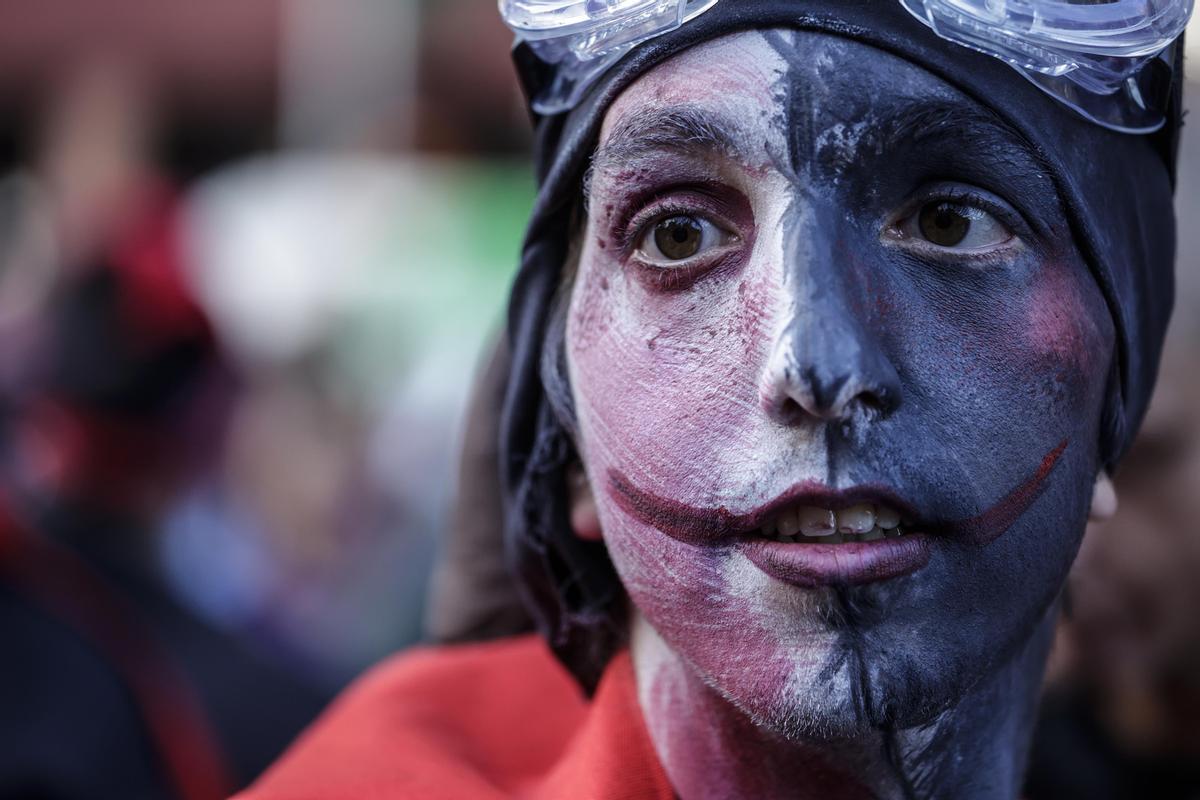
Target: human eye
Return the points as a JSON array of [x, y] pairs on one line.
[[956, 223], [671, 237], [955, 226], [680, 238]]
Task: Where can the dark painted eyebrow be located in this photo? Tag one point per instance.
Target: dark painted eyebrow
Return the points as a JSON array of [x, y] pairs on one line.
[[922, 121], [691, 130], [680, 128]]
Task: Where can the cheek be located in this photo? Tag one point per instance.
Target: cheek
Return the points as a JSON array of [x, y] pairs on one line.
[[662, 379], [1067, 329], [763, 642], [666, 387], [1058, 347], [1009, 355]]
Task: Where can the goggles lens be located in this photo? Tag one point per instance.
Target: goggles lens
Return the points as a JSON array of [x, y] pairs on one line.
[[1110, 60], [1103, 58], [581, 39]]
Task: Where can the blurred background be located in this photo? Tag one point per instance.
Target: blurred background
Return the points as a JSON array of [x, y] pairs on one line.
[[250, 257]]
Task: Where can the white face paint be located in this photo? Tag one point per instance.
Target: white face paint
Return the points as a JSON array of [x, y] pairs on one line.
[[671, 386]]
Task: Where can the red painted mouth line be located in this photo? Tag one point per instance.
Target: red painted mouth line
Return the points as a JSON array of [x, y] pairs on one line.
[[711, 526], [993, 522]]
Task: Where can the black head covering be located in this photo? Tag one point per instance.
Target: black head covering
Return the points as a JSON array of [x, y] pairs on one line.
[[1117, 189]]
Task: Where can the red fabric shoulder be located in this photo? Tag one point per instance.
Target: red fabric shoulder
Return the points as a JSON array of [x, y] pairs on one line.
[[466, 721], [474, 722]]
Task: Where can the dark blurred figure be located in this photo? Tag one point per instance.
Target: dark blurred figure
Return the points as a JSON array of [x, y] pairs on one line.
[[1121, 717], [110, 687]]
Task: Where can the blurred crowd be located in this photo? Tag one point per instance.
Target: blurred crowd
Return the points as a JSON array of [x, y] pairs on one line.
[[251, 255]]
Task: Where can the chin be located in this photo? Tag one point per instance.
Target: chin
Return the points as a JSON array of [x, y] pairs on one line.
[[803, 664], [846, 701], [852, 682]]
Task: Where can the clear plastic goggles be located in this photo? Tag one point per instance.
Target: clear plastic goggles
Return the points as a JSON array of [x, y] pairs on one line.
[[583, 38], [1110, 60]]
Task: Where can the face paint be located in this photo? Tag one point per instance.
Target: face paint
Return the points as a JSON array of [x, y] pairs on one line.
[[816, 279]]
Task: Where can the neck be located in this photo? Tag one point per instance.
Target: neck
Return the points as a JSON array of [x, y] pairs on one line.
[[711, 750]]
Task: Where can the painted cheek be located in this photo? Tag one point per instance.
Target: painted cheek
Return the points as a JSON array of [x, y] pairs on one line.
[[591, 311], [736, 628], [1063, 329], [665, 386], [1043, 349], [1003, 348], [665, 381]]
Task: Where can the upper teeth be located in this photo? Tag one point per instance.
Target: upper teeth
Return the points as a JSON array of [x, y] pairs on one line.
[[864, 522]]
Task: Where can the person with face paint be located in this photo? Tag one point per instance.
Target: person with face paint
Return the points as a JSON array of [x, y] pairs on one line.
[[832, 318]]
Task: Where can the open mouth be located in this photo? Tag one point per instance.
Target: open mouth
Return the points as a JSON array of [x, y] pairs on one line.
[[813, 536], [863, 522], [853, 543]]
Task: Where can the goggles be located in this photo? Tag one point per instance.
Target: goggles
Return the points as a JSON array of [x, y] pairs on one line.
[[1112, 61]]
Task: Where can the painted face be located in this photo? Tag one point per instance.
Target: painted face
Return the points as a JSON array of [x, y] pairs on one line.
[[820, 291]]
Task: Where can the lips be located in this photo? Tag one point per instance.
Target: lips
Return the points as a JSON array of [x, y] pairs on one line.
[[813, 565], [851, 557]]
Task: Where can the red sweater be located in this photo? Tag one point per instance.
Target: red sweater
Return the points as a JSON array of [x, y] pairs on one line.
[[494, 720]]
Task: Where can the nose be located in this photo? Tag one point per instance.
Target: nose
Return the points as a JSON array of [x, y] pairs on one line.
[[827, 364]]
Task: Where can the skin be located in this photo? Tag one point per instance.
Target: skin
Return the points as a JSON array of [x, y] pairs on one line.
[[821, 342]]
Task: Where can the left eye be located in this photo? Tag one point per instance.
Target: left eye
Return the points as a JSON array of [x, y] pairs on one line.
[[955, 226], [680, 237]]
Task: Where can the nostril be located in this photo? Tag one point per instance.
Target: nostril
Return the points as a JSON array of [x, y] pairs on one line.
[[839, 400], [875, 403], [790, 412], [869, 401]]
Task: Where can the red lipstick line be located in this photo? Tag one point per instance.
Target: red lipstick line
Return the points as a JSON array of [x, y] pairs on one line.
[[709, 526]]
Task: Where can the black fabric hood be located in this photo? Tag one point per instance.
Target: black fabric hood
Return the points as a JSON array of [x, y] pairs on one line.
[[1117, 189]]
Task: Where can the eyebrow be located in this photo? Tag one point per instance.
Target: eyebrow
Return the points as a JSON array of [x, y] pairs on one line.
[[987, 132], [683, 129], [691, 130]]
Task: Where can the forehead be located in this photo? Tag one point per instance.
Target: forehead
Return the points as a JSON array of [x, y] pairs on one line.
[[767, 82]]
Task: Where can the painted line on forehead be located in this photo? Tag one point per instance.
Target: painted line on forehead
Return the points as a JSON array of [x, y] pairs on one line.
[[985, 528], [796, 128], [907, 120]]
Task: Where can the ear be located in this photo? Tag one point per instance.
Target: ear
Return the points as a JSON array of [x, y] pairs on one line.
[[1104, 499], [584, 519]]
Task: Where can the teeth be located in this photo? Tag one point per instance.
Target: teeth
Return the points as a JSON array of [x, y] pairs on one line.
[[856, 519], [887, 518], [860, 523], [789, 523], [817, 521], [875, 534]]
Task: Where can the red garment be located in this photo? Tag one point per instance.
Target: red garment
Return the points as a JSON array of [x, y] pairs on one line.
[[475, 722]]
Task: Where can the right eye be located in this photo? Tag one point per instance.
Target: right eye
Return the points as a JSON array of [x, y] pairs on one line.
[[679, 238], [957, 226]]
